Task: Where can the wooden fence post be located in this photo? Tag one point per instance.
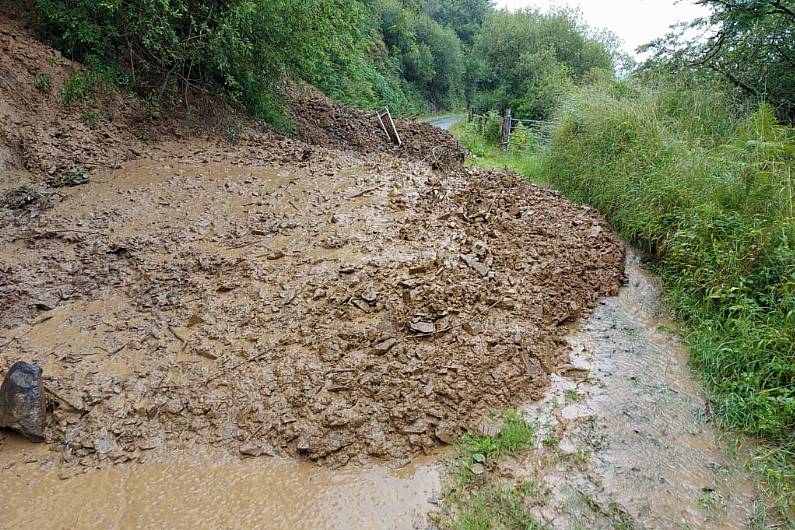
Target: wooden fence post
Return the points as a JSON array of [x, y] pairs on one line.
[[469, 116], [506, 130]]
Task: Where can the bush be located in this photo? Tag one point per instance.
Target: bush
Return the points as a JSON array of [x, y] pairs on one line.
[[241, 48], [709, 195]]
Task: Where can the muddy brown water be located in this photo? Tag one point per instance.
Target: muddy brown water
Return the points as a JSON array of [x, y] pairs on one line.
[[633, 444], [633, 438], [203, 488]]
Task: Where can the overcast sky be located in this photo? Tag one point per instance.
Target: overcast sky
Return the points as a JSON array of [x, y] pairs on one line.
[[636, 22]]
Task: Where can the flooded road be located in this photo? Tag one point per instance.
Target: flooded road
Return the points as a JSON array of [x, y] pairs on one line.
[[626, 440]]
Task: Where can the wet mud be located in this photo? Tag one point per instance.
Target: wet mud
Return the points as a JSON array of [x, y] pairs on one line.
[[204, 488], [340, 310]]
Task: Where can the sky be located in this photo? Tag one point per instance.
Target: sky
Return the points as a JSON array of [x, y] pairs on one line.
[[636, 22]]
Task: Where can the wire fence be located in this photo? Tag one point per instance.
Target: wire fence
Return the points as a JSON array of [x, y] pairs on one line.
[[511, 133]]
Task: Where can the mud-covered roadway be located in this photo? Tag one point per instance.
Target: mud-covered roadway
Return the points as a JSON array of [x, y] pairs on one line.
[[338, 308], [335, 297]]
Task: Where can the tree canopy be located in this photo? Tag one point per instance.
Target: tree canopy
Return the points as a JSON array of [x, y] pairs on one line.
[[751, 43]]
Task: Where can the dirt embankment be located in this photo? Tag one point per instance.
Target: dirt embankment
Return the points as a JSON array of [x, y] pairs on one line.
[[274, 296], [320, 121]]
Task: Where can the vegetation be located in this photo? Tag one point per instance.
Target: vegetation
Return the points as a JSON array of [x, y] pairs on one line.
[[752, 45], [527, 61], [705, 186], [477, 500]]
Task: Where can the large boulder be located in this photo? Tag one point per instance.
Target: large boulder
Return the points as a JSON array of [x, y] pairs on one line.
[[22, 401]]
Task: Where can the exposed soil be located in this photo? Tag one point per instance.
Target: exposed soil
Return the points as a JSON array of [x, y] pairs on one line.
[[39, 132], [273, 296], [320, 121]]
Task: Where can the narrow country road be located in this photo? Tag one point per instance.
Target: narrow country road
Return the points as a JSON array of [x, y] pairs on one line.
[[445, 122]]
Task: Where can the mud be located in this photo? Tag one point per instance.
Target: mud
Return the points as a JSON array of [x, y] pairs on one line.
[[335, 309], [626, 438], [213, 490], [320, 121]]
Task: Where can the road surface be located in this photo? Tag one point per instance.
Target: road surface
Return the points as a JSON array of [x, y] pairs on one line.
[[445, 122]]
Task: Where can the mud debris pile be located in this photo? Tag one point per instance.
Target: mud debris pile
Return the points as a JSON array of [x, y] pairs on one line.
[[320, 121], [343, 310]]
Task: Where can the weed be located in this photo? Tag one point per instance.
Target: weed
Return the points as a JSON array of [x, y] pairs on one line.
[[516, 434], [491, 507], [550, 441], [572, 396], [710, 499], [77, 87], [70, 178], [619, 518], [24, 197], [89, 116], [43, 81], [487, 504]]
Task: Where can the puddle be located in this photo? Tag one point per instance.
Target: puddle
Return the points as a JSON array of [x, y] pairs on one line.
[[628, 425], [202, 488]]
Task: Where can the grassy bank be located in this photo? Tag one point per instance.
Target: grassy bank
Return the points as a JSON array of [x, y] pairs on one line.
[[703, 187]]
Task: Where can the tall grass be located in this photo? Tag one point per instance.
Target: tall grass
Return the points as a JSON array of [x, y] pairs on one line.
[[704, 187]]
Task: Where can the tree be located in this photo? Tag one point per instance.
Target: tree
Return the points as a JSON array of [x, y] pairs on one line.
[[751, 43], [462, 16], [526, 60]]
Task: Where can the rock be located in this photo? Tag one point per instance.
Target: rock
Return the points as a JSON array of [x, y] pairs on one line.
[[255, 449], [423, 327], [445, 433], [475, 264], [275, 255], [370, 297], [22, 401], [478, 469], [103, 443], [384, 346]]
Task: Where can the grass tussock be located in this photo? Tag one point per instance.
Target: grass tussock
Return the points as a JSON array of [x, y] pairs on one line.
[[705, 188], [477, 500]]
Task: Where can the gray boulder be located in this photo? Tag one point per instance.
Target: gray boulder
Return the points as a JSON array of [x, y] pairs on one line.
[[22, 403]]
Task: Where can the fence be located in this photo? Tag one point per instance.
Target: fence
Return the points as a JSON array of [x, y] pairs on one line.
[[510, 126]]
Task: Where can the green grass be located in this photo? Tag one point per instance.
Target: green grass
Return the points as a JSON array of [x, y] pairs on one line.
[[704, 188], [479, 501], [486, 155], [494, 507]]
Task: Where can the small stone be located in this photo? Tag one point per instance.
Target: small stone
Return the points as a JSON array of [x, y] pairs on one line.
[[423, 327], [478, 469], [370, 297], [445, 434], [227, 286], [473, 263], [255, 449], [384, 346], [278, 254]]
